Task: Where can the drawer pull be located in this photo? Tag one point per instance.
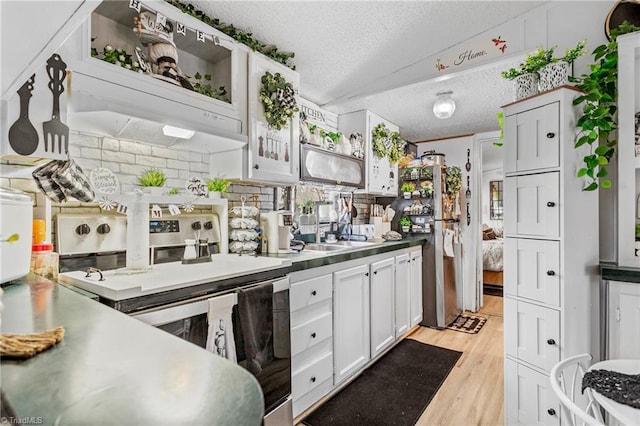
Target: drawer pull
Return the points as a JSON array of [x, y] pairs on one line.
[[551, 342], [313, 379], [256, 166], [375, 272], [551, 204], [551, 135], [366, 274], [313, 335], [551, 273], [551, 412], [313, 292]]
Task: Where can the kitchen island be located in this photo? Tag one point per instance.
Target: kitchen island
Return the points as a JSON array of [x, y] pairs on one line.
[[113, 369]]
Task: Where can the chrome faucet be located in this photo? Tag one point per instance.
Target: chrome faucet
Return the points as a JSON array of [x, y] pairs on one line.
[[316, 209]]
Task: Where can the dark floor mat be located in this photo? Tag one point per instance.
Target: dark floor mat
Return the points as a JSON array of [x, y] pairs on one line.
[[393, 391]]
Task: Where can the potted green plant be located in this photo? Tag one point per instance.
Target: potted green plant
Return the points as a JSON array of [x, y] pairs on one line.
[[598, 123], [526, 77], [556, 73], [153, 181], [407, 188], [217, 187], [426, 188], [405, 223]]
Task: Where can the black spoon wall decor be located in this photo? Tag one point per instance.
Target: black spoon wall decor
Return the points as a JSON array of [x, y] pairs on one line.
[[23, 137]]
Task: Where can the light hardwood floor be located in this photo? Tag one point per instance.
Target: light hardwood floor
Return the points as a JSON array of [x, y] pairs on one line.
[[472, 394]]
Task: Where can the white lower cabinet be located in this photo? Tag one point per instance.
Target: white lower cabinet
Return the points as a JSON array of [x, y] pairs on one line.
[[382, 309], [624, 320], [533, 334], [311, 339], [415, 278], [351, 321], [531, 400], [345, 315], [402, 295]]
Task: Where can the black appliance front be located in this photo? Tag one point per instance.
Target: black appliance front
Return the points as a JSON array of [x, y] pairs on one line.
[[275, 377]]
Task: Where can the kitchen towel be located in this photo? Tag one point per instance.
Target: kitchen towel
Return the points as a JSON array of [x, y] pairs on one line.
[[255, 312], [220, 340], [448, 242]]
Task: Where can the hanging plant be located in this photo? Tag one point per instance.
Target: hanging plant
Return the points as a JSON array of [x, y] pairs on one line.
[[116, 57], [453, 179], [387, 144], [240, 36], [278, 98], [598, 123], [200, 85]]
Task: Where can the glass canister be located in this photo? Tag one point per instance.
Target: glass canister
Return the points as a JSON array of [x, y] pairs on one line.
[[44, 261]]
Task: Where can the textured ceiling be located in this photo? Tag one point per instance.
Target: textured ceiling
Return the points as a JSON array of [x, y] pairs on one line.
[[344, 47]]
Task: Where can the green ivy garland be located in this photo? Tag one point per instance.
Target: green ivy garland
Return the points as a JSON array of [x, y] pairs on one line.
[[387, 144], [453, 179], [243, 37], [278, 99]]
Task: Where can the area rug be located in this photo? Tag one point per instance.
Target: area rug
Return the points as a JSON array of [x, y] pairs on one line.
[[393, 391], [467, 323]]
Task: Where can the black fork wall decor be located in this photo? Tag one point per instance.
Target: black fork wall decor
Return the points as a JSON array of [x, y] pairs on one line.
[[55, 133]]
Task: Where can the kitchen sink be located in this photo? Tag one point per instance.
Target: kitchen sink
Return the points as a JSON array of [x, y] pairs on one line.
[[339, 246]]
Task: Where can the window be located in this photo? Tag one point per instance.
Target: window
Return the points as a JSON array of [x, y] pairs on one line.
[[496, 207]]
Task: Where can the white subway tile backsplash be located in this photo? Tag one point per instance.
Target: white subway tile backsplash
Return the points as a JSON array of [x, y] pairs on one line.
[[184, 174], [172, 173], [119, 157], [110, 144], [198, 167], [83, 139], [114, 167], [176, 164], [87, 165], [183, 155], [157, 151], [90, 153], [144, 160], [195, 156], [135, 148]]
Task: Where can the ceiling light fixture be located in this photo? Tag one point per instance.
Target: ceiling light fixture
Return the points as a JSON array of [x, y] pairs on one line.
[[177, 132], [444, 106]]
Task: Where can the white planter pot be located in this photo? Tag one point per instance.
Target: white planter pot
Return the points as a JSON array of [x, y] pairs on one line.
[[215, 194], [526, 85], [153, 190], [554, 75], [406, 195], [406, 228]]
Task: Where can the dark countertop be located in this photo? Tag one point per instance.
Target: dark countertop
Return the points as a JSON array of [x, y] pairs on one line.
[[113, 369], [307, 260], [613, 272]]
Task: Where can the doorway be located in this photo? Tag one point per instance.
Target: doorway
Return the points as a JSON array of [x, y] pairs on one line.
[[491, 197]]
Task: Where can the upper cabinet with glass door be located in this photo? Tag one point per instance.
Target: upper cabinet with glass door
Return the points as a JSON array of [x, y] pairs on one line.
[[160, 65]]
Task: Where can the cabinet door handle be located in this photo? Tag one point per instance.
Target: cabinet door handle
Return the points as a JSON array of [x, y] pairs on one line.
[[551, 204], [375, 272], [551, 412], [366, 274], [313, 379], [313, 335], [551, 135], [256, 166], [313, 292], [551, 342], [551, 273]]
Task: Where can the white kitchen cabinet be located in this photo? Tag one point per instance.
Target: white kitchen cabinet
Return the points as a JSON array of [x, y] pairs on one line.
[[351, 321], [402, 294], [535, 143], [624, 320], [533, 336], [415, 279], [535, 270], [311, 304], [551, 252], [381, 175], [382, 308], [534, 403], [534, 207], [110, 100], [628, 153]]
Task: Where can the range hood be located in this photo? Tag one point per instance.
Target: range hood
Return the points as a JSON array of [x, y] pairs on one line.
[[110, 109]]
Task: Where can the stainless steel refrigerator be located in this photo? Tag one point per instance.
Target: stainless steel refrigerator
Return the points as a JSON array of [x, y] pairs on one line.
[[442, 258]]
